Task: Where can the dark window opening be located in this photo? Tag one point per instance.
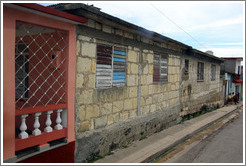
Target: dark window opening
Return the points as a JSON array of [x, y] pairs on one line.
[[200, 71], [186, 66]]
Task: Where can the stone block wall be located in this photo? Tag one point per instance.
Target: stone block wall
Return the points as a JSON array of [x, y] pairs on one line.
[[97, 108], [142, 105], [110, 118], [194, 94], [159, 96]]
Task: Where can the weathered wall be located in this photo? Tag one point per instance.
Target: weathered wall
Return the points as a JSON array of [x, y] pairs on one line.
[[102, 141], [141, 107], [110, 118], [98, 108], [194, 94]]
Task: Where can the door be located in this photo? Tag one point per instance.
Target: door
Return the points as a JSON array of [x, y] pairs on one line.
[[237, 91]]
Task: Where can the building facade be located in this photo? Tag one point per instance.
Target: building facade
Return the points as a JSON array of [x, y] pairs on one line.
[[132, 82], [232, 69], [111, 82]]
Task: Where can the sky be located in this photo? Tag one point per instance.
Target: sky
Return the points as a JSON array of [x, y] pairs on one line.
[[204, 25]]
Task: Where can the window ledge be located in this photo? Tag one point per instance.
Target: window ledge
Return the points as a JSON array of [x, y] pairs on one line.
[[200, 80], [162, 82]]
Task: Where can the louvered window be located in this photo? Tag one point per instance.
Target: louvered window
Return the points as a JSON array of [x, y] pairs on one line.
[[111, 66], [160, 68]]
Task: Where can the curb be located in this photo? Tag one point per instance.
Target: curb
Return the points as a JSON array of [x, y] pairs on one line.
[[186, 137]]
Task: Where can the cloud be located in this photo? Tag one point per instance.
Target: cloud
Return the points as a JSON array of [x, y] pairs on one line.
[[226, 52], [219, 23]]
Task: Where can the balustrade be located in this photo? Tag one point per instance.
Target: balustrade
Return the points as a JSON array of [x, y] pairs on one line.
[[23, 127]]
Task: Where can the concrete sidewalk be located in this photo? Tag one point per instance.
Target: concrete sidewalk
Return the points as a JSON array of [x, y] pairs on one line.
[[159, 143]]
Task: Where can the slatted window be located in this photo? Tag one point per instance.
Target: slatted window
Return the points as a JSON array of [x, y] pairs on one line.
[[213, 72], [200, 71], [160, 68], [111, 66]]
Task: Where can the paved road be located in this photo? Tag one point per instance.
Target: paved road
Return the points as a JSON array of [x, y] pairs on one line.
[[223, 146]]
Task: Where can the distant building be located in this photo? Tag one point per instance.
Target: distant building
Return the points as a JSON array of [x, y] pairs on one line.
[[232, 70]]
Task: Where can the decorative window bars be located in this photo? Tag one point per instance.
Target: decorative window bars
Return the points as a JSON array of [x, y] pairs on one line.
[[40, 85], [40, 66], [160, 71], [110, 66]]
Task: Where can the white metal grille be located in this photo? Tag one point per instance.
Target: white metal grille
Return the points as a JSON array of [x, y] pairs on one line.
[[40, 66]]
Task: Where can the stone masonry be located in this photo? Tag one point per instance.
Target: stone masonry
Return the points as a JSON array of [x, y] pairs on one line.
[[111, 118], [196, 94], [99, 109]]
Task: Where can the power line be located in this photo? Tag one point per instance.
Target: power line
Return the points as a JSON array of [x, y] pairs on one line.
[[176, 24]]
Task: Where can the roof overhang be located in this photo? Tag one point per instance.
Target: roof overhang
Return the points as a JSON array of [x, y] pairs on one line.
[[48, 12], [236, 58], [200, 54]]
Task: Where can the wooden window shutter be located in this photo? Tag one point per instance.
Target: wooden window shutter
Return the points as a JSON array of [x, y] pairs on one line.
[[163, 73], [119, 66], [104, 66], [160, 68], [110, 66], [156, 68]]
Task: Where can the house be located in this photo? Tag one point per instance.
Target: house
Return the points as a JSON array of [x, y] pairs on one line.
[[39, 45], [87, 83], [232, 69]]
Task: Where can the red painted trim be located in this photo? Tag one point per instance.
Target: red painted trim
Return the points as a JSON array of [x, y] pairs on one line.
[[31, 110], [44, 138], [52, 11]]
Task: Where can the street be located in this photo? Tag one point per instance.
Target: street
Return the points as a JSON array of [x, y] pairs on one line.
[[223, 146]]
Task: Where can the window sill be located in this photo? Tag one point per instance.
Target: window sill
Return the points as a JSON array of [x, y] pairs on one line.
[[200, 80], [161, 82]]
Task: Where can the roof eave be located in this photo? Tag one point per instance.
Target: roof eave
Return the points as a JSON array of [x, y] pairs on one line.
[[49, 12]]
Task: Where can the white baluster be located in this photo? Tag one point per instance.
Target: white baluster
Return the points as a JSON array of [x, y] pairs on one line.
[[36, 124], [48, 122], [58, 120], [23, 127]]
